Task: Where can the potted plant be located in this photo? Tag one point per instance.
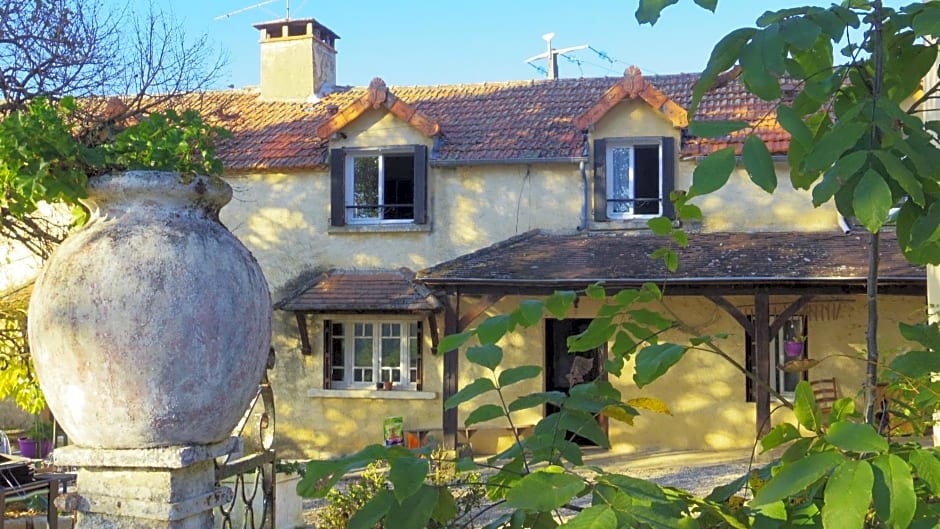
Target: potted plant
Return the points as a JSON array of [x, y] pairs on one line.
[[36, 443], [793, 348]]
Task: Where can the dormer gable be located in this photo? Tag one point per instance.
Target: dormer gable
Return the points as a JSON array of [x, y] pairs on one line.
[[633, 86], [378, 96]]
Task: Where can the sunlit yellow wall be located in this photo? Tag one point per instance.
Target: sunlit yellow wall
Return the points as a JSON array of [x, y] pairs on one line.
[[284, 219], [317, 427], [705, 393], [740, 205]]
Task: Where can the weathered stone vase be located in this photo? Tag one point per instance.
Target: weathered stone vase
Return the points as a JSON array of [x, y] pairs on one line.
[[150, 326]]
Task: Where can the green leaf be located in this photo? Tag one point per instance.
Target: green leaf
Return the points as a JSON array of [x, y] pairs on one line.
[[537, 399], [927, 466], [805, 408], [639, 489], [899, 172], [653, 362], [761, 60], [530, 312], [493, 329], [446, 508], [559, 303], [872, 201], [484, 413], [927, 335], [794, 124], [415, 511], [488, 356], [660, 225], [927, 227], [715, 129], [369, 515], [599, 331], [544, 490], [799, 32], [759, 164], [829, 147], [649, 10], [724, 55], [515, 374], [795, 477], [855, 437], [454, 341], [595, 291], [471, 390], [848, 496], [594, 517], [407, 475], [707, 4], [713, 172], [895, 500], [780, 434], [927, 21], [916, 364]]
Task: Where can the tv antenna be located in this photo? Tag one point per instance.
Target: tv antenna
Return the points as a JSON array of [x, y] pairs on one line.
[[255, 6], [552, 55]]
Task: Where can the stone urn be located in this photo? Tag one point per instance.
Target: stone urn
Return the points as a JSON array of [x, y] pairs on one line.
[[150, 326]]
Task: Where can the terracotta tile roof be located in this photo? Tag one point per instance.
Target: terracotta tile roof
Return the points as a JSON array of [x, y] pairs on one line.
[[538, 258], [510, 121], [361, 290]]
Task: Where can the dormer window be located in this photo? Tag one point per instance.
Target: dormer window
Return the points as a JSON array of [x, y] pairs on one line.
[[633, 177], [379, 186]]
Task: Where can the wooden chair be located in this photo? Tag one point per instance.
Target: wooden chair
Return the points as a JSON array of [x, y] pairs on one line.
[[826, 393]]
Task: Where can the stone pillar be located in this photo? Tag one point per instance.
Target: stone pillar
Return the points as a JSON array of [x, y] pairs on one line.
[[154, 488]]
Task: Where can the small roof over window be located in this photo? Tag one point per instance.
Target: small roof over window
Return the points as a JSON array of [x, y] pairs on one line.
[[341, 290]]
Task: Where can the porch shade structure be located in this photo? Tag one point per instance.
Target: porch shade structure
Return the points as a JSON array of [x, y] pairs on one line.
[[714, 265], [342, 291]]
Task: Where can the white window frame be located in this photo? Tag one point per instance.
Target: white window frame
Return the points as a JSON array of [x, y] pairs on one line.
[[349, 181], [631, 144], [408, 363]]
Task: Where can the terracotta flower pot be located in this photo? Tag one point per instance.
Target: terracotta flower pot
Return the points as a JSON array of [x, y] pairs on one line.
[[151, 325]]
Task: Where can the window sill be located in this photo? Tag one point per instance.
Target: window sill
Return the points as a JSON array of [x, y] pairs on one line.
[[380, 228], [401, 394], [638, 223]]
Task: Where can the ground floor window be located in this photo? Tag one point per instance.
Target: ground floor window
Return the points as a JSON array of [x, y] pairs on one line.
[[789, 344], [365, 354]]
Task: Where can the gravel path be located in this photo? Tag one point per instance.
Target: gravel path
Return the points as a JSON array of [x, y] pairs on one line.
[[696, 472]]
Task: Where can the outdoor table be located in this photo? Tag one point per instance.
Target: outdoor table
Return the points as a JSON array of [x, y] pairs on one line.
[[48, 482]]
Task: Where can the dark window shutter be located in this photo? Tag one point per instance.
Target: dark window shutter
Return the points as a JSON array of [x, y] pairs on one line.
[[669, 175], [327, 353], [600, 180], [750, 364], [419, 384], [338, 187], [421, 184]]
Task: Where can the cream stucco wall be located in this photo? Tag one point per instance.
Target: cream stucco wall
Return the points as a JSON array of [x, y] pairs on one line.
[[705, 393], [740, 205], [284, 218]]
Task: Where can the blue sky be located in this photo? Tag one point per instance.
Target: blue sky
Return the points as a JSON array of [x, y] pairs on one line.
[[424, 42]]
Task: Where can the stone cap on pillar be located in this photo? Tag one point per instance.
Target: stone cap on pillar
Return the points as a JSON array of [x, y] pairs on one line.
[[166, 457]]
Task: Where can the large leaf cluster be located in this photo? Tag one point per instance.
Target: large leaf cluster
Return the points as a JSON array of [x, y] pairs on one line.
[[856, 127]]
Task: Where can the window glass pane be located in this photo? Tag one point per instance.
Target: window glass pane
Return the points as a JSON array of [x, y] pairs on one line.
[[398, 186], [338, 356], [646, 183], [337, 374], [619, 184], [413, 348], [337, 329], [365, 187]]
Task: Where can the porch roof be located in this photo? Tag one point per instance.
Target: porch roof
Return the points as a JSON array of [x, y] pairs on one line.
[[723, 262], [340, 290]]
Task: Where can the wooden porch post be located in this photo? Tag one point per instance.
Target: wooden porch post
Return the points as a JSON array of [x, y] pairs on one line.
[[451, 316], [762, 354]]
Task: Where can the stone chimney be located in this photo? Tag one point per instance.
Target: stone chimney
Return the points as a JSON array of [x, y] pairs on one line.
[[298, 60]]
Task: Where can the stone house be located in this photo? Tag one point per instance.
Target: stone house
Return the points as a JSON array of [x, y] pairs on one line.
[[387, 216]]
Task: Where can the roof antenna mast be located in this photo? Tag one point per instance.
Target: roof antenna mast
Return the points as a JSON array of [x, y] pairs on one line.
[[552, 55], [255, 6]]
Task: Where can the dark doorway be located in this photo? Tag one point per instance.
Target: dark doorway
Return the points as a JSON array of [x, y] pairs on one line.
[[563, 370]]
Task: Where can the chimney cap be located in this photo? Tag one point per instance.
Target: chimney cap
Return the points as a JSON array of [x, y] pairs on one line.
[[297, 27]]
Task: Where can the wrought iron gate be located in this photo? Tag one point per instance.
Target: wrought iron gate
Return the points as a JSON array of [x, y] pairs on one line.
[[251, 476]]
